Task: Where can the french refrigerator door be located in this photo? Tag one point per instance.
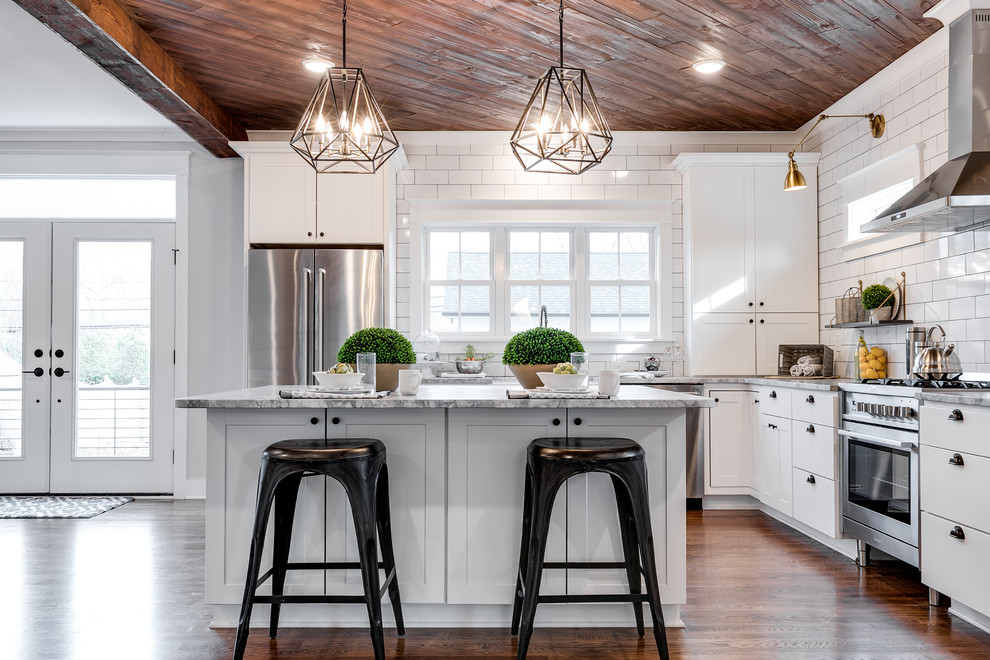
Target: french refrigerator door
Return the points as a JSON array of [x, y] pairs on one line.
[[350, 296], [280, 316]]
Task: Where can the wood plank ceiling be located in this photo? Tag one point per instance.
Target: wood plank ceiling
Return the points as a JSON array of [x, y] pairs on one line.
[[472, 64]]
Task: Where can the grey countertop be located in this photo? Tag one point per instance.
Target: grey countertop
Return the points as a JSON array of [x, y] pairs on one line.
[[447, 396], [956, 397], [827, 384]]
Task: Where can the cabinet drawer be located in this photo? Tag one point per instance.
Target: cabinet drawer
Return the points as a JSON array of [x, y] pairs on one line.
[[814, 502], [815, 407], [940, 428], [775, 401], [957, 492], [814, 448], [956, 567]]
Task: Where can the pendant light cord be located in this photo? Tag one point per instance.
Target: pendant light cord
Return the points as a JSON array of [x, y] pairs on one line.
[[561, 18], [343, 36]]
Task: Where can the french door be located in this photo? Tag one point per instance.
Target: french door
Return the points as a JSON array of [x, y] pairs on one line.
[[86, 357]]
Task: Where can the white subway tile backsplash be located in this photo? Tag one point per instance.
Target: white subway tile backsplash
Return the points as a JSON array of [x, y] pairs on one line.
[[962, 308]]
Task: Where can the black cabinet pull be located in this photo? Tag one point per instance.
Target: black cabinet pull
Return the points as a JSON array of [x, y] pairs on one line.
[[956, 415], [957, 459], [773, 426], [38, 352], [957, 533], [314, 420], [811, 428], [577, 421], [335, 420], [811, 479], [556, 422], [773, 395], [39, 372], [59, 353], [810, 399]]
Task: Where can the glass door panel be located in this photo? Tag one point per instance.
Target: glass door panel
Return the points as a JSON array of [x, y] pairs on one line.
[[25, 294]]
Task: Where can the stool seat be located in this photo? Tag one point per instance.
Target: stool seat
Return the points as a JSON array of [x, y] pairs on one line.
[[549, 463], [586, 449], [324, 450], [359, 465]]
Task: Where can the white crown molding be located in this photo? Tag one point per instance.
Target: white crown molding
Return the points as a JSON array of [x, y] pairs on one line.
[[687, 160], [621, 138], [948, 11], [397, 161], [70, 135]]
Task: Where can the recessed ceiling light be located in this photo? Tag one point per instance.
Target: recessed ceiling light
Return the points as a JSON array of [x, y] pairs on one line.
[[317, 65], [708, 66]]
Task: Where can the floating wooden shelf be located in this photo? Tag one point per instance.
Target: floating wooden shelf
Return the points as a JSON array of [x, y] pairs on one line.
[[867, 324]]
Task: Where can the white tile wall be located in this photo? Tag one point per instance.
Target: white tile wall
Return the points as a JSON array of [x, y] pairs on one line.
[[490, 171], [946, 275]]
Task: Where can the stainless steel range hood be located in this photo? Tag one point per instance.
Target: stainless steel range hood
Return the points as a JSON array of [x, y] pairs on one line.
[[956, 196]]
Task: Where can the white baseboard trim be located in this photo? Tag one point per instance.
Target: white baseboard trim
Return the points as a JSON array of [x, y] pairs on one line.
[[729, 502], [845, 547], [195, 489], [969, 615]]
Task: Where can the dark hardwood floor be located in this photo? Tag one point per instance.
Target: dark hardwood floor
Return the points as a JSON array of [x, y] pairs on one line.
[[128, 585]]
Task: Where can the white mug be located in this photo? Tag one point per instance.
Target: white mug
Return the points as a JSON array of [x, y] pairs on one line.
[[409, 380], [608, 382]]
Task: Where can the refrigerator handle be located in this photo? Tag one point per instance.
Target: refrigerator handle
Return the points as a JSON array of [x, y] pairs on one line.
[[318, 322], [303, 327]]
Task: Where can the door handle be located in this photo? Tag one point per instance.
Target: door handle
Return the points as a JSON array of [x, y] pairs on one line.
[[59, 372], [303, 329], [37, 371], [318, 320]]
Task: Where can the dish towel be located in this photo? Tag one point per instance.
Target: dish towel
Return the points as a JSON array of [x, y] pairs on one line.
[[316, 394], [805, 360], [812, 370], [797, 370]]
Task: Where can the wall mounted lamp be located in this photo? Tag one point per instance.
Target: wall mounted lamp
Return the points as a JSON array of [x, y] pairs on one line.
[[794, 179]]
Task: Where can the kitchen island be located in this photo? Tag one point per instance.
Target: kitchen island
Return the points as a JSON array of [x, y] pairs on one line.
[[456, 457]]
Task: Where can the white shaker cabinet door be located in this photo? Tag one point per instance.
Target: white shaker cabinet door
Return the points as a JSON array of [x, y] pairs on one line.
[[775, 455], [721, 220], [729, 447], [723, 344], [281, 199], [236, 441], [772, 330], [786, 243], [414, 446], [486, 471], [350, 208]]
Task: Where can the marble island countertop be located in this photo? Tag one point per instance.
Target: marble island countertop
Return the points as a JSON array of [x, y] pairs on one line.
[[447, 396]]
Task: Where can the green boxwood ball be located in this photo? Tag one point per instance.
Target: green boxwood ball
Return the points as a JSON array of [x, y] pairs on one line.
[[874, 295], [541, 346], [389, 347]]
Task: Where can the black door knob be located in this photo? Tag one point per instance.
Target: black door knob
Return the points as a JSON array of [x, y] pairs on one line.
[[59, 352], [957, 459], [59, 372], [38, 352], [39, 372]]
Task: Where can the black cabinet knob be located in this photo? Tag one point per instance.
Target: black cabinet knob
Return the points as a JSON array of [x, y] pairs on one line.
[[957, 459], [39, 372], [750, 304], [810, 479], [811, 428], [773, 395], [38, 352], [751, 320], [335, 420], [556, 422], [314, 420], [810, 399], [716, 399], [957, 533], [762, 321], [59, 353], [309, 233], [956, 415], [577, 421], [761, 304]]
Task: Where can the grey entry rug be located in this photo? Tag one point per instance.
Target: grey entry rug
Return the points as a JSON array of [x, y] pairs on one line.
[[58, 506]]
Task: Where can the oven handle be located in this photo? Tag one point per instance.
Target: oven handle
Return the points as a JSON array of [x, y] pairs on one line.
[[895, 444]]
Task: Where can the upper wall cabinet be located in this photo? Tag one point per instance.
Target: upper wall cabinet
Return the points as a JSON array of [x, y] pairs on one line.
[[751, 259], [286, 202]]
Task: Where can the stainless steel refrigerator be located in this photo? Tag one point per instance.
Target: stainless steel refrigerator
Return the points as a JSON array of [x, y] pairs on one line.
[[303, 304]]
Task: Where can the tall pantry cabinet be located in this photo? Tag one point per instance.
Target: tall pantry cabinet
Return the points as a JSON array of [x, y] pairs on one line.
[[751, 260]]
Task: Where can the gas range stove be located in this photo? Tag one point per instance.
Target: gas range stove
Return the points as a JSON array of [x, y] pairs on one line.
[[947, 384]]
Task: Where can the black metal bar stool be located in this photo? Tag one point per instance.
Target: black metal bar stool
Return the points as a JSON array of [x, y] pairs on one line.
[[549, 463], [359, 466]]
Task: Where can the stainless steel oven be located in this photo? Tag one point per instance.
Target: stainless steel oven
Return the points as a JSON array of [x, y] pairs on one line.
[[880, 505]]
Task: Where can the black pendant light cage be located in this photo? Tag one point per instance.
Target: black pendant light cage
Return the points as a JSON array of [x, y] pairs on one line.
[[562, 129], [343, 129]]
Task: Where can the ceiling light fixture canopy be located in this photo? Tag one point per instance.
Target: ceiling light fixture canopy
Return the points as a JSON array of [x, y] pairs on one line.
[[794, 179], [343, 129], [317, 64], [708, 66], [562, 129]]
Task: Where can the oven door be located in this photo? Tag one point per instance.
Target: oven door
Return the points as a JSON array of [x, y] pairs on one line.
[[880, 479]]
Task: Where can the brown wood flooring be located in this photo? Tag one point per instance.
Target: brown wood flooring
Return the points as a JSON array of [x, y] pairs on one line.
[[128, 584]]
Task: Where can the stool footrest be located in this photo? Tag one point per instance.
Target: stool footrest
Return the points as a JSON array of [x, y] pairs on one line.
[[595, 598], [309, 599], [584, 564]]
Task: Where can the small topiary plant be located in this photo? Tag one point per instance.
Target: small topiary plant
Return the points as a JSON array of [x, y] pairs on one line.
[[541, 346], [875, 295], [388, 346]]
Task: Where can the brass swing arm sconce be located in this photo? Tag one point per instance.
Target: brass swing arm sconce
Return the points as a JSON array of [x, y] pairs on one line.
[[794, 179]]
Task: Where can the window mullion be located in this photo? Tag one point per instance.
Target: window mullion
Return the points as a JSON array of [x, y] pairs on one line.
[[500, 300]]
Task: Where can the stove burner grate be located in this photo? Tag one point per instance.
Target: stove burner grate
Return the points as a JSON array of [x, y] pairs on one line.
[[951, 383]]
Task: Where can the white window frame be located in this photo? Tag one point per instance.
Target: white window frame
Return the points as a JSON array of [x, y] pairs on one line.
[[653, 216]]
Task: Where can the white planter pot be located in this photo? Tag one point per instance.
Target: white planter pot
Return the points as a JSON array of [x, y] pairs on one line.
[[880, 314]]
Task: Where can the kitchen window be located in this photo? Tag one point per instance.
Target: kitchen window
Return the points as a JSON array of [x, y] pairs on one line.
[[595, 281]]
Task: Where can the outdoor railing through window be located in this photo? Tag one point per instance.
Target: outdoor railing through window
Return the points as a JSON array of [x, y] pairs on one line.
[[10, 422], [113, 421]]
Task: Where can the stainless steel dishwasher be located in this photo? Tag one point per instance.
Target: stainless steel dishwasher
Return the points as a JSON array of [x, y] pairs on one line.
[[694, 431]]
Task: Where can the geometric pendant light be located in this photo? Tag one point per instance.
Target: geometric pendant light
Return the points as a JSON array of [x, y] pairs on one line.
[[562, 130], [343, 129]]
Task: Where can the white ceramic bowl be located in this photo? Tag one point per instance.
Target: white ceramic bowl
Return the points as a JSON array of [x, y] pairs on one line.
[[563, 381], [337, 381]]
